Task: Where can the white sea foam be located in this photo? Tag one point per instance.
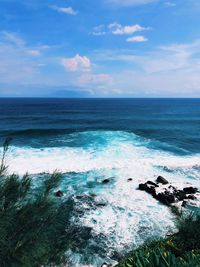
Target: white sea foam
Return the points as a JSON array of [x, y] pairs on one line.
[[139, 161], [131, 216]]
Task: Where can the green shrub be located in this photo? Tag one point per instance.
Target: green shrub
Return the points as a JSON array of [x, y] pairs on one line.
[[35, 228], [158, 256]]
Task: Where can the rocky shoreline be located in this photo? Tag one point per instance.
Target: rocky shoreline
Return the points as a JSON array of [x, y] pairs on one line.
[[167, 194]]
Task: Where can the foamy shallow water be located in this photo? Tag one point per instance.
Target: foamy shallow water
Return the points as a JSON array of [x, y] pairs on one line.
[[129, 217]]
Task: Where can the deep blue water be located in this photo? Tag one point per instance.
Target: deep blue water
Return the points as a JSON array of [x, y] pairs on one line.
[[90, 140], [37, 122]]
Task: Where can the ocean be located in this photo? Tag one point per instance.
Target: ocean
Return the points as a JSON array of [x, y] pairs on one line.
[[91, 140]]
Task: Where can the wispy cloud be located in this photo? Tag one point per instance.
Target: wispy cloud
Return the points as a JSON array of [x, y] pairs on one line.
[[66, 10], [119, 29], [12, 37], [19, 62], [169, 4], [127, 3], [171, 70], [137, 39], [99, 30]]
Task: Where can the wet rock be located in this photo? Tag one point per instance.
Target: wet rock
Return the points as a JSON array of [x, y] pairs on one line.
[[106, 181], [130, 179], [172, 187], [59, 193], [180, 195], [152, 183], [161, 180], [148, 188], [166, 198], [192, 197], [190, 190]]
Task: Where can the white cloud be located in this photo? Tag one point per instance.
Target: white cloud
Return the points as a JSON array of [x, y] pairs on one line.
[[170, 4], [77, 63], [13, 38], [171, 70], [138, 38], [118, 29], [126, 3], [66, 10], [99, 30]]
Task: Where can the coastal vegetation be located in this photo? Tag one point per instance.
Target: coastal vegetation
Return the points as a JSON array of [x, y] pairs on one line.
[[181, 249], [35, 227]]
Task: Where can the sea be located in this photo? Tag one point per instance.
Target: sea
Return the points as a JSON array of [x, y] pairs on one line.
[[90, 140]]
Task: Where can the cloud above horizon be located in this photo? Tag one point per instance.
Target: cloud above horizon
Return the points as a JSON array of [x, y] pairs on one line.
[[76, 63]]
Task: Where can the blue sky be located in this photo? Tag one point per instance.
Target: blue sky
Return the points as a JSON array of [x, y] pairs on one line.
[[100, 48]]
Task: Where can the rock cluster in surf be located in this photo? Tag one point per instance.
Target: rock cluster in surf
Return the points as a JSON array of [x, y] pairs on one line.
[[168, 194]]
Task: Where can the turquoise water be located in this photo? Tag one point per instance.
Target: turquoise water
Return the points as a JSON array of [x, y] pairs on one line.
[[90, 140]]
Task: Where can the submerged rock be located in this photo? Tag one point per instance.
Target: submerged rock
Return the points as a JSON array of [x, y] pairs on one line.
[[106, 181], [59, 193]]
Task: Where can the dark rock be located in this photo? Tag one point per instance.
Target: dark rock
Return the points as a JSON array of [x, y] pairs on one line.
[[100, 204], [161, 180], [93, 195], [142, 187], [184, 203], [130, 179], [59, 194], [190, 190], [172, 187], [106, 181], [152, 183], [166, 198], [192, 197], [148, 188], [180, 195]]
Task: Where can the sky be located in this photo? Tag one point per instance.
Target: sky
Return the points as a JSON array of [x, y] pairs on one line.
[[99, 48]]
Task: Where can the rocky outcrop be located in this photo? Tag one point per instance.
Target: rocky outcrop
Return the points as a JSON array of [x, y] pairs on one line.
[[161, 180], [190, 190], [106, 181], [168, 194]]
